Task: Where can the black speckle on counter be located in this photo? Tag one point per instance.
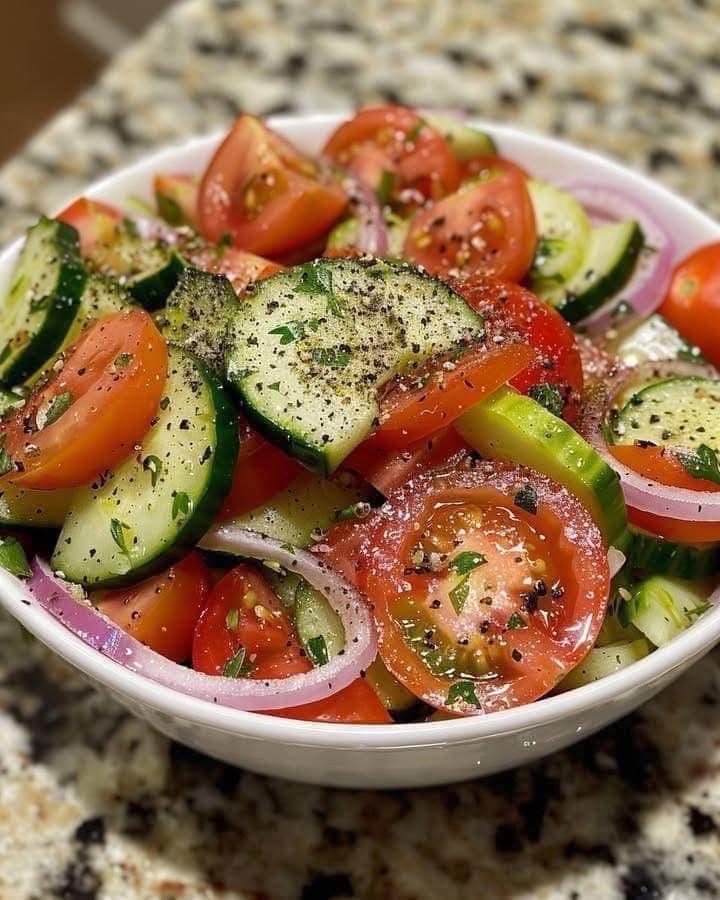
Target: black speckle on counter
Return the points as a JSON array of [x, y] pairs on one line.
[[700, 822], [91, 831], [79, 880], [328, 887], [639, 884], [611, 32], [507, 838], [602, 853]]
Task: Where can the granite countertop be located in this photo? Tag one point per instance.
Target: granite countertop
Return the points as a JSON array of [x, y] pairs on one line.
[[95, 805]]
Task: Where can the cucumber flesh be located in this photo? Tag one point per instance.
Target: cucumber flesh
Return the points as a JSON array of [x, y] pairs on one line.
[[512, 427], [608, 264], [308, 506], [564, 232], [197, 315], [318, 626], [33, 509], [310, 349], [603, 661], [392, 694], [345, 234], [652, 340], [45, 290], [614, 632], [465, 141], [678, 412], [160, 501], [10, 401], [663, 607], [656, 555]]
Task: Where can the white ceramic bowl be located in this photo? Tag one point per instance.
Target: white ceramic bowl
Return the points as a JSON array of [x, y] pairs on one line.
[[363, 756]]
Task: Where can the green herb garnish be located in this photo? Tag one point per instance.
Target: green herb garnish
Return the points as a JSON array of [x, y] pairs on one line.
[[527, 499], [317, 651], [117, 531], [698, 610], [332, 357], [549, 396], [153, 465], [466, 561], [13, 559], [462, 691], [236, 666], [169, 209], [295, 330], [275, 386], [317, 280], [459, 594], [181, 504], [124, 359], [701, 463], [516, 621], [130, 228], [60, 404], [232, 619], [6, 463]]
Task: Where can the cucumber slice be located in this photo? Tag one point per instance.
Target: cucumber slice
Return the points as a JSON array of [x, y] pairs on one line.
[[161, 500], [197, 315], [512, 427], [657, 555], [392, 694], [608, 264], [45, 291], [564, 232], [614, 632], [310, 504], [603, 661], [662, 607], [345, 234], [465, 141], [318, 626], [678, 412], [653, 340], [311, 347], [33, 509], [10, 401]]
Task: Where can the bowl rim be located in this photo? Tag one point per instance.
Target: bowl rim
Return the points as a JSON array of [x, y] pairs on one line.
[[663, 662]]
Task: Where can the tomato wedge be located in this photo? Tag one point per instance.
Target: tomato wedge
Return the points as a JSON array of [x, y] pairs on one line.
[[264, 194], [486, 227], [92, 412], [162, 611], [95, 222], [483, 595], [244, 626], [416, 408], [238, 266], [395, 145], [261, 471], [509, 306]]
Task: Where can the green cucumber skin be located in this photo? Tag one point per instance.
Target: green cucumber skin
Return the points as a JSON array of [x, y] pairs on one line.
[[152, 290], [206, 507], [60, 316], [658, 556], [578, 307]]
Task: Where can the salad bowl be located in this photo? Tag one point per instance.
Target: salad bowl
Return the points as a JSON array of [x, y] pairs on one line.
[[411, 754]]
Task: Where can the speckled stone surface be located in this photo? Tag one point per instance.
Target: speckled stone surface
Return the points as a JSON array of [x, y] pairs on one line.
[[93, 804]]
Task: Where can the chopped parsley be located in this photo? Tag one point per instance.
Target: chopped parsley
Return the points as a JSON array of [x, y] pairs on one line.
[[459, 594], [153, 465], [236, 666], [60, 404], [169, 209], [122, 360], [181, 504], [527, 499], [516, 621], [549, 396], [332, 357], [462, 691], [701, 463], [466, 561], [295, 330], [275, 386], [5, 461], [698, 610], [117, 532], [317, 651], [318, 280], [232, 619], [12, 557]]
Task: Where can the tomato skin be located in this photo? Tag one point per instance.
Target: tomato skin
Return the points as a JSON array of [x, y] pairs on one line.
[[266, 195], [505, 305], [261, 471], [357, 704], [692, 304], [487, 227], [162, 611], [94, 220], [394, 139], [238, 266], [408, 416], [374, 554], [111, 409], [485, 166], [675, 529]]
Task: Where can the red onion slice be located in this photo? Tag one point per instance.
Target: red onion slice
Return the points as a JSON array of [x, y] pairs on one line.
[[648, 285], [241, 693], [372, 235], [642, 493]]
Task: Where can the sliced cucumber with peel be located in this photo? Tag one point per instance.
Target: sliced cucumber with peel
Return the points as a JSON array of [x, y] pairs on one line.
[[661, 607], [564, 232], [157, 503], [657, 555], [603, 661], [512, 427], [318, 626], [465, 141], [652, 340], [45, 290]]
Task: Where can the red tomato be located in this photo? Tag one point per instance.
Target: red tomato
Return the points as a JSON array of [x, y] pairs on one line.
[[486, 227], [484, 167], [479, 595], [394, 143], [162, 611], [244, 614], [239, 267], [99, 405], [423, 404], [261, 471], [263, 193], [507, 305], [693, 301], [95, 222], [675, 529], [176, 198]]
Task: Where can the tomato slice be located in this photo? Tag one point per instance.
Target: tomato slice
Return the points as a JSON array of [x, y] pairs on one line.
[[486, 227], [417, 407], [244, 619], [264, 194], [93, 411], [95, 222], [238, 266], [693, 301], [484, 167], [395, 144], [261, 471], [483, 596], [162, 611], [675, 529], [176, 198], [505, 305]]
